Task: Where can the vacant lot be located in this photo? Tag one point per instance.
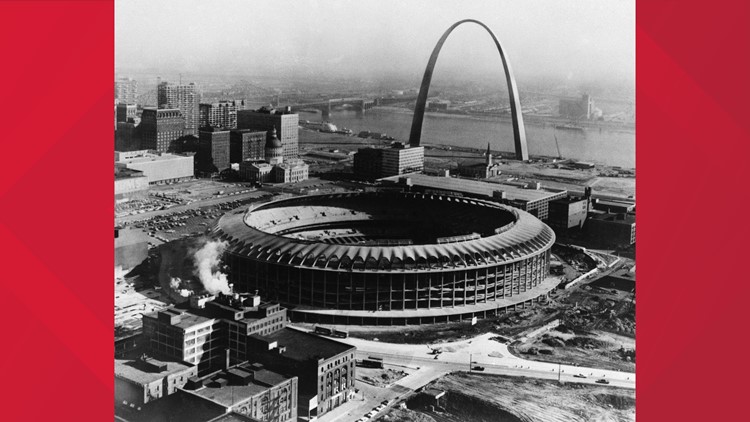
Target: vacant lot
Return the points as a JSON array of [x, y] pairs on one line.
[[497, 398]]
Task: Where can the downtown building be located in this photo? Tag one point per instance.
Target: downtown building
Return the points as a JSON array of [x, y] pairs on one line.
[[184, 98], [126, 112], [222, 114], [284, 121], [160, 128], [249, 341], [374, 163], [246, 144], [213, 150], [126, 91], [274, 168], [158, 167]]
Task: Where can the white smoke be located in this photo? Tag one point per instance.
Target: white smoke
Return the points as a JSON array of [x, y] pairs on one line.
[[207, 261], [175, 284]]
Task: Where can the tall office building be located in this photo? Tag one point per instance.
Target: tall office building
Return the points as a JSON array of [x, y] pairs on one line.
[[213, 150], [222, 114], [126, 91], [159, 128], [284, 121], [125, 112], [246, 144], [182, 97]]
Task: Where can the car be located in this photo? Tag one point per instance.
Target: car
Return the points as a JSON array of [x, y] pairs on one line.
[[602, 381], [478, 368], [579, 376], [380, 407], [385, 402]]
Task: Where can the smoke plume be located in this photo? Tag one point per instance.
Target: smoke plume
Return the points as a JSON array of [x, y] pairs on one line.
[[207, 260]]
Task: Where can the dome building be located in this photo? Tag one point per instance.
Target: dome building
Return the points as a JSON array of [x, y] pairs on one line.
[[274, 151], [389, 258]]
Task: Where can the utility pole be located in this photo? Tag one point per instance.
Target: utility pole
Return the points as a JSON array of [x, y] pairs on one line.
[[559, 372], [469, 362]]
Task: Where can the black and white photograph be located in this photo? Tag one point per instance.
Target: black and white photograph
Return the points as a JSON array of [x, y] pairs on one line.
[[396, 211]]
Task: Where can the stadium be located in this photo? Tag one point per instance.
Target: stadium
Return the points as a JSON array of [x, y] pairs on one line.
[[388, 258]]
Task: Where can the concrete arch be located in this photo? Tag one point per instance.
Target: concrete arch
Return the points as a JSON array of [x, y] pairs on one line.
[[519, 132]]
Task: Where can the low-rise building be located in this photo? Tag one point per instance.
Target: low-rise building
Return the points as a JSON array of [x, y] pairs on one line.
[[611, 229], [567, 213], [530, 197], [373, 163], [483, 170], [290, 172], [158, 167], [143, 379], [129, 184], [326, 368], [256, 171], [250, 390]]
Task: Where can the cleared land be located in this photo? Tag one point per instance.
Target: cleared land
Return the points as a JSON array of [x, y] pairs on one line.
[[498, 398]]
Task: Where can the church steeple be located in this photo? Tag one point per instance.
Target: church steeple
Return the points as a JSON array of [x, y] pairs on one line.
[[489, 155]]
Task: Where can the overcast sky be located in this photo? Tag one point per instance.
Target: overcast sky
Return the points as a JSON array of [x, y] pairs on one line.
[[574, 39]]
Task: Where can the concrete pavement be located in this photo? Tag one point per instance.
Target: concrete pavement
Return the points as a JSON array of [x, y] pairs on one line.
[[456, 356]]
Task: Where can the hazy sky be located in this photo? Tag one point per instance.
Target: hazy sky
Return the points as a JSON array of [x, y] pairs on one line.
[[574, 39]]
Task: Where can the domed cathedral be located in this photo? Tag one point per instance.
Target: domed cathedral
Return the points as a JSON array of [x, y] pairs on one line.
[[274, 150]]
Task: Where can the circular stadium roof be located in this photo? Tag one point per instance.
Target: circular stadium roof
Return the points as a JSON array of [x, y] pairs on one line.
[[384, 231]]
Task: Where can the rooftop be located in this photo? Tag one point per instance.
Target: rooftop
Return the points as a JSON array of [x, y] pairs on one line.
[[233, 417], [476, 187], [301, 346], [126, 173], [131, 369], [143, 156], [219, 390], [614, 218], [390, 230], [187, 319]]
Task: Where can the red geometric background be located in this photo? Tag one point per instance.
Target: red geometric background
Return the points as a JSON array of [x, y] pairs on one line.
[[693, 64]]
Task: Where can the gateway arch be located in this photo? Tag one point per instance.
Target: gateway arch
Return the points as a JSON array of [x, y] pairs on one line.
[[519, 133]]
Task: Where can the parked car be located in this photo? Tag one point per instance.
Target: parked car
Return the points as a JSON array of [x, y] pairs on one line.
[[478, 368], [579, 376], [602, 381]]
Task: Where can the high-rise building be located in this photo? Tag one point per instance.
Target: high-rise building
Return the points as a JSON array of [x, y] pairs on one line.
[[213, 150], [182, 97], [246, 144], [384, 162], [126, 112], [127, 137], [126, 91], [159, 128], [222, 114], [284, 121]]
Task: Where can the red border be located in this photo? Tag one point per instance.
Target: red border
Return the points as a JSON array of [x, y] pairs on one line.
[[692, 144], [56, 208]]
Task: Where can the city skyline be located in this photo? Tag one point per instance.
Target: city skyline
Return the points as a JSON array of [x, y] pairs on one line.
[[577, 42]]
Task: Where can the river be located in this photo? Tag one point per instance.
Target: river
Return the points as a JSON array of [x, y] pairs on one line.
[[610, 147]]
